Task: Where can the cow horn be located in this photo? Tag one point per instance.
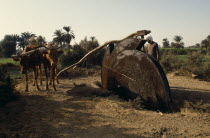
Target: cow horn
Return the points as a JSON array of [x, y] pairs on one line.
[[28, 53], [56, 47], [32, 51], [45, 47], [138, 33], [15, 56], [53, 47]]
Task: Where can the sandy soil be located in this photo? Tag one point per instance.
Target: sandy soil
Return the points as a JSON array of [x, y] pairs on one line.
[[85, 114]]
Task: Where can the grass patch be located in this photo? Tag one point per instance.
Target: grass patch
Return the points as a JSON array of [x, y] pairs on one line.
[[12, 66], [9, 62], [182, 57], [14, 73], [7, 87]]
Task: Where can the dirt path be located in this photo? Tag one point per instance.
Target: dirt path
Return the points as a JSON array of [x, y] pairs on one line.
[[55, 114]]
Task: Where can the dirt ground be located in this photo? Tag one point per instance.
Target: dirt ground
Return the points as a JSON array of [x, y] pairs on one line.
[[84, 114]]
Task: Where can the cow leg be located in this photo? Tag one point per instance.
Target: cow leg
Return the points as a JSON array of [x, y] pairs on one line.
[[26, 75], [53, 77], [56, 72], [50, 74], [36, 68], [46, 74], [34, 83], [40, 72], [50, 83], [35, 76]]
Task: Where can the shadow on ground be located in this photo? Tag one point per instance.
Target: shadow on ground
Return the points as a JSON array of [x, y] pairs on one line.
[[50, 118], [197, 100], [193, 99], [53, 114]]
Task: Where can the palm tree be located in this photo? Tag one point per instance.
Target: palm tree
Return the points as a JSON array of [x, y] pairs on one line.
[[40, 40], [208, 37], [166, 43], [23, 40], [58, 37], [15, 38], [208, 49], [8, 45], [197, 45], [178, 40], [84, 43], [205, 44], [68, 35], [92, 38], [27, 35]]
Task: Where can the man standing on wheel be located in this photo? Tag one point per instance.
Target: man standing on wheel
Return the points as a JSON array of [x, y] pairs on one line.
[[153, 49]]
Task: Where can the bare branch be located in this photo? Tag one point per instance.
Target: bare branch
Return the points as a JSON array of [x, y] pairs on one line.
[[138, 33]]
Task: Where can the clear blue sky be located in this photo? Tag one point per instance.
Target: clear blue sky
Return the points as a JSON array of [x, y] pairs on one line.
[[108, 19]]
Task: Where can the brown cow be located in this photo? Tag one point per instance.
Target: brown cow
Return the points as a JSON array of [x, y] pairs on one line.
[[50, 60], [30, 61]]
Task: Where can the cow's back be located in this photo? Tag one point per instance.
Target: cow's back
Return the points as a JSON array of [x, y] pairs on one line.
[[34, 58]]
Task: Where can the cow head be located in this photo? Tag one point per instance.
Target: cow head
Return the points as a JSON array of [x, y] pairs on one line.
[[52, 53], [24, 62], [24, 59]]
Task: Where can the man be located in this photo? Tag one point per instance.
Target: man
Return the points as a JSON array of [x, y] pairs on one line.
[[153, 49]]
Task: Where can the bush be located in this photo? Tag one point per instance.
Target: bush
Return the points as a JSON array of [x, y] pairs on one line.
[[8, 45], [71, 56], [199, 65], [180, 51], [9, 62], [6, 87], [171, 63], [95, 59], [8, 65], [194, 63], [74, 54]]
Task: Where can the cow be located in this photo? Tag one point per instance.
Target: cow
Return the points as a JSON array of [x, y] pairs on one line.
[[50, 60], [28, 61]]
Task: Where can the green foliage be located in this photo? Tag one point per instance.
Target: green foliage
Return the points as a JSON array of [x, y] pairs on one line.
[[197, 45], [58, 36], [178, 38], [205, 44], [40, 40], [68, 35], [198, 65], [71, 56], [171, 62], [12, 67], [178, 42], [0, 50], [182, 51], [182, 58], [23, 39], [95, 58], [9, 62], [75, 53], [8, 45], [166, 43], [6, 87], [61, 37], [194, 63]]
